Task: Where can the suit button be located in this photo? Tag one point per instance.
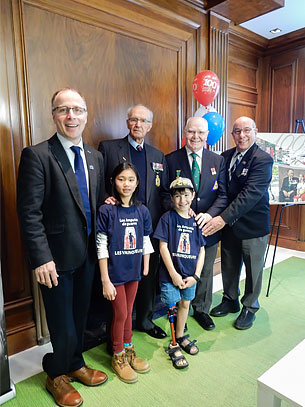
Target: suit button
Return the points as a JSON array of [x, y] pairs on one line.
[[198, 199]]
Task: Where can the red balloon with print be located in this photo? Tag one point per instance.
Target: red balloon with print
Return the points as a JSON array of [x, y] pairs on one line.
[[205, 87]]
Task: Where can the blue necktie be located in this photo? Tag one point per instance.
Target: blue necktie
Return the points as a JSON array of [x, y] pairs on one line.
[[82, 183]]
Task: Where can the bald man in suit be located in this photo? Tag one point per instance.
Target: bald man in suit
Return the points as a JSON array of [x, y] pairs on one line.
[[245, 223], [60, 185], [206, 169]]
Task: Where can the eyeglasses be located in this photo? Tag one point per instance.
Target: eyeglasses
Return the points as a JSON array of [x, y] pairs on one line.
[[193, 132], [135, 120], [64, 110], [246, 130]]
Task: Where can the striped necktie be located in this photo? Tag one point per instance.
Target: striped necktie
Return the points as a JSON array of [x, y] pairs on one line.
[[195, 171], [238, 158]]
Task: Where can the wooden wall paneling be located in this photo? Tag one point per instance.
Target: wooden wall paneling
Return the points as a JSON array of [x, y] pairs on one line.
[[116, 53], [282, 97], [150, 73], [218, 63], [16, 278], [244, 76]]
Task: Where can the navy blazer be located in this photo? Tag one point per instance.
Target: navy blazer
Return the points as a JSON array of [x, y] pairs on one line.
[[249, 213], [211, 196], [117, 151], [50, 208]]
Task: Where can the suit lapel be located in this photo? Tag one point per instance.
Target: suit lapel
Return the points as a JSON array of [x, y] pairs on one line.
[[64, 163], [123, 150], [149, 171], [241, 169], [91, 174]]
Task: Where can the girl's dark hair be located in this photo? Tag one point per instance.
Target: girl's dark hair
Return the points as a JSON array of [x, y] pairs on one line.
[[117, 171]]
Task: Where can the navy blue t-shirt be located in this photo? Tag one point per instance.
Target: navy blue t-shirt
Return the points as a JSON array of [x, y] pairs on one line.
[[184, 240], [125, 228]]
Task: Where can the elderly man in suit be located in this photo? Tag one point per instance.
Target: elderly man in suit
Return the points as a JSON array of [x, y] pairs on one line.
[[60, 186], [245, 223], [289, 187], [207, 172], [151, 165]]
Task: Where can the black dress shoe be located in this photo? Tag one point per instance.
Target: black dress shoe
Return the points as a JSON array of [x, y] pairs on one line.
[[225, 307], [204, 320], [245, 319], [156, 332]]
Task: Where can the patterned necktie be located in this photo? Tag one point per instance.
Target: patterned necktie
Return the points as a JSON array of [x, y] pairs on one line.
[[82, 183], [195, 171], [139, 148], [235, 164]]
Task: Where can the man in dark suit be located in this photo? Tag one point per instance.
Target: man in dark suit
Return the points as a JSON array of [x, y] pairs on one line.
[[245, 223], [151, 165], [289, 187], [60, 185], [207, 172]]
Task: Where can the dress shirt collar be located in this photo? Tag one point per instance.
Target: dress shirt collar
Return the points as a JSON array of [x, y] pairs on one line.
[[133, 143], [199, 152], [67, 143]]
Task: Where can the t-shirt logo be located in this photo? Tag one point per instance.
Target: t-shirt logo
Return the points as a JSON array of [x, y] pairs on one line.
[[130, 238], [184, 243]]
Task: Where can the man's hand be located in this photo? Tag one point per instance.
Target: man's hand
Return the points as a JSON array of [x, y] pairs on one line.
[[213, 226], [46, 274], [202, 219], [111, 200]]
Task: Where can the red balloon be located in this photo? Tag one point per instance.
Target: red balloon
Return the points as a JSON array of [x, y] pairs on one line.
[[205, 87]]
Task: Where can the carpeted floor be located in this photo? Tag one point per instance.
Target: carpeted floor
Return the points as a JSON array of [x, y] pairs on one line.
[[225, 371]]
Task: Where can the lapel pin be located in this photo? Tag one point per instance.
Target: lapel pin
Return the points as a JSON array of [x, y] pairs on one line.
[[91, 167], [213, 171]]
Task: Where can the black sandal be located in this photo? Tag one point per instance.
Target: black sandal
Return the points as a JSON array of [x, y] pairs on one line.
[[187, 348], [174, 358]]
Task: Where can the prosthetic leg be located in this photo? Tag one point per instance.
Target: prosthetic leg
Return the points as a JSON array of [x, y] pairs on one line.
[[171, 316], [174, 350]]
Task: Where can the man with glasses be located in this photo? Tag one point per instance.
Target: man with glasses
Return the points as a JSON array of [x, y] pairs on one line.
[[60, 185], [245, 223], [151, 165], [207, 172]]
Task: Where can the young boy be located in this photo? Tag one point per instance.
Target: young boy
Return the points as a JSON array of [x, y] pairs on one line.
[[182, 252]]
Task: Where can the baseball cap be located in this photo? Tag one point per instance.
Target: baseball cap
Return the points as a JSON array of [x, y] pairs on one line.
[[181, 183]]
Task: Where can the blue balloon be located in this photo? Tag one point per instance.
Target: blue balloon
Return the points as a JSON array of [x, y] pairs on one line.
[[216, 127]]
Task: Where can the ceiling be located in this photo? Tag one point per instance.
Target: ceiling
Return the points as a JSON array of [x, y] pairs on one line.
[[289, 18]]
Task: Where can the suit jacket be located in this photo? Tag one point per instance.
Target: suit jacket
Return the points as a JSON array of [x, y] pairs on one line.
[[211, 195], [50, 208], [248, 212], [117, 151]]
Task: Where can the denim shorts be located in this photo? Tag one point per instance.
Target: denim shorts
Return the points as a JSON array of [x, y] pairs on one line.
[[170, 294]]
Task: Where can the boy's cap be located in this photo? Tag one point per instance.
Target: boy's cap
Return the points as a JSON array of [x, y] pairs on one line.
[[181, 183]]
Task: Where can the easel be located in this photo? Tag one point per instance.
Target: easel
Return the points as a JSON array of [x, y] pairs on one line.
[[283, 206], [297, 122]]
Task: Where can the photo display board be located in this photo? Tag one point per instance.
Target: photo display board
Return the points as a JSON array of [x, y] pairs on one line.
[[288, 174]]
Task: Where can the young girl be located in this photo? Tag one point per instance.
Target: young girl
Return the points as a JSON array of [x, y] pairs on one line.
[[122, 243]]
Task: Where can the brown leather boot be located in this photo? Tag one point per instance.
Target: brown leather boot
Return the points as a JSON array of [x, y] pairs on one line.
[[63, 392], [138, 364], [122, 368]]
